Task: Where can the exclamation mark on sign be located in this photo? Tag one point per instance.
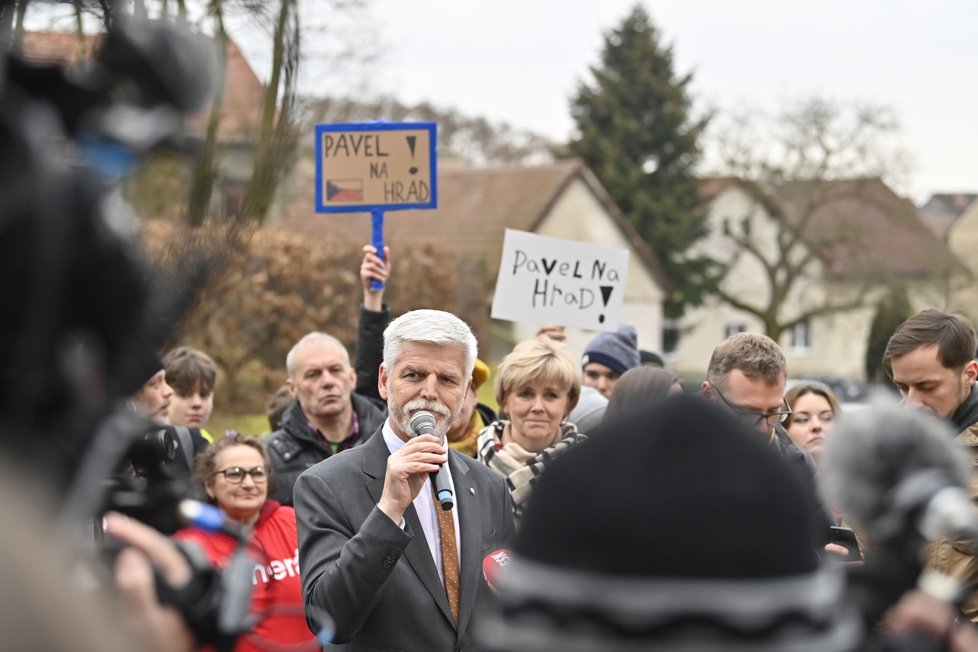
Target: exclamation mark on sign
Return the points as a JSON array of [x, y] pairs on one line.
[[605, 295], [411, 140]]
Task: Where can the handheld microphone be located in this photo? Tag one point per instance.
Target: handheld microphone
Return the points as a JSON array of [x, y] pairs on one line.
[[492, 566], [210, 518], [896, 473], [233, 616], [423, 423]]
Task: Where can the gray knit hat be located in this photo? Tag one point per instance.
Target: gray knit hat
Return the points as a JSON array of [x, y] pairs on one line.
[[618, 351], [589, 411]]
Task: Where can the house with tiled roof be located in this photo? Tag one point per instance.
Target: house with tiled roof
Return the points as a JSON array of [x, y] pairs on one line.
[[240, 109], [476, 206], [942, 210], [854, 241], [960, 212]]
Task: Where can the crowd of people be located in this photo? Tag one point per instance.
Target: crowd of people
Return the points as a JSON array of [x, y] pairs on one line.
[[599, 505], [698, 496]]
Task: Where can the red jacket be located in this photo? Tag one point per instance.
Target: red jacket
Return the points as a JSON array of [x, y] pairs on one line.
[[277, 592]]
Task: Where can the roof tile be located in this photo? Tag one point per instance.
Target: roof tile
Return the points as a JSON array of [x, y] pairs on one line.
[[475, 207]]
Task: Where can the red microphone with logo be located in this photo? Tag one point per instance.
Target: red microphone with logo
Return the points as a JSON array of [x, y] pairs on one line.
[[492, 566]]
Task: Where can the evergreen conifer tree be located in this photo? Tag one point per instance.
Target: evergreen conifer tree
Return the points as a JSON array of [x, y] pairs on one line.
[[636, 132]]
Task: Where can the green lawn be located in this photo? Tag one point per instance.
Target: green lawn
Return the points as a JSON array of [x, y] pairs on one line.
[[249, 424]]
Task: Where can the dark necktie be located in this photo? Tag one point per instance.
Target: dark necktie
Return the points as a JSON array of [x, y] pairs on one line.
[[449, 554]]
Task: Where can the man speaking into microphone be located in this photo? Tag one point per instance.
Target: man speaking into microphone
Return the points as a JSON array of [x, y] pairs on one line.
[[379, 554]]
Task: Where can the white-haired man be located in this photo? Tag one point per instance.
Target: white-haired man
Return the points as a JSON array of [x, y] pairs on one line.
[[379, 556]]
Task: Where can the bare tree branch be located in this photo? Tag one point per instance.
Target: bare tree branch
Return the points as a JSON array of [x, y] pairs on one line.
[[789, 178]]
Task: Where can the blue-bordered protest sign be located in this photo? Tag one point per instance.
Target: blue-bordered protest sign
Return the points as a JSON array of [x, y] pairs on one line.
[[375, 166]]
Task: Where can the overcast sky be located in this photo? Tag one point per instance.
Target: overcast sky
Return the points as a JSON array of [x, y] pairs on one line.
[[519, 61]]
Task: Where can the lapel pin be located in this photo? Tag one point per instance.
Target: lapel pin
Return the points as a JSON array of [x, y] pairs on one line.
[[472, 490]]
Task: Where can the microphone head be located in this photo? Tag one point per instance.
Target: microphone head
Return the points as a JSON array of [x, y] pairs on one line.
[[876, 451], [423, 423], [492, 566]]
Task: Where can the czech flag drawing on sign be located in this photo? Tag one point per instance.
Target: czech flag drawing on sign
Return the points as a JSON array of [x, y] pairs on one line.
[[344, 190]]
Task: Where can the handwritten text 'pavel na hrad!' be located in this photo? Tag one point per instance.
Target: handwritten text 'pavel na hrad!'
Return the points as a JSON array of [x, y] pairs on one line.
[[547, 274], [553, 280], [373, 148]]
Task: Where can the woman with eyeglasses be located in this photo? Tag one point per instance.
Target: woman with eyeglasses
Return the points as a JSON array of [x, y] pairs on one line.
[[234, 472], [814, 409]]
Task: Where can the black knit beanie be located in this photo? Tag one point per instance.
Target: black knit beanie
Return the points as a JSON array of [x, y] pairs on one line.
[[675, 528], [137, 364]]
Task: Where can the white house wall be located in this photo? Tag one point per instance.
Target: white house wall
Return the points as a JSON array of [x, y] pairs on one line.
[[963, 242], [838, 341]]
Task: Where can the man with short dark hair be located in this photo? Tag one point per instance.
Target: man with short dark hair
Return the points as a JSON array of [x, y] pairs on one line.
[[747, 374], [930, 358]]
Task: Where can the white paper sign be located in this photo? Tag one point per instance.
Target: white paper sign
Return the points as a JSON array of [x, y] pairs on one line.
[[566, 282]]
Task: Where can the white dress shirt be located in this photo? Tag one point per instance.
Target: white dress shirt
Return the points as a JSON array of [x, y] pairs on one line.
[[424, 505]]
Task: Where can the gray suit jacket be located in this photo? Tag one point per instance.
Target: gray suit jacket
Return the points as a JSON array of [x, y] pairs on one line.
[[376, 581]]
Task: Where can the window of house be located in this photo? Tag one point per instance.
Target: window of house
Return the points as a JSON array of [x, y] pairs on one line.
[[801, 338], [732, 329], [670, 337]]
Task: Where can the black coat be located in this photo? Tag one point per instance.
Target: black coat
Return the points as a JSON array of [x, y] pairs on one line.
[[295, 447], [804, 466]]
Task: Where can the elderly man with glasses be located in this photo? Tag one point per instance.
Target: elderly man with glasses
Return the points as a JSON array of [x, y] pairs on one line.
[[747, 376]]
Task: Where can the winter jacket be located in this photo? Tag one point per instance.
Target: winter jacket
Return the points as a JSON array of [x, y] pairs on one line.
[[295, 446], [954, 556]]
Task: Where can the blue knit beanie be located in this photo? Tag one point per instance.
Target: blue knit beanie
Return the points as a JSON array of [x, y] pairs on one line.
[[618, 351]]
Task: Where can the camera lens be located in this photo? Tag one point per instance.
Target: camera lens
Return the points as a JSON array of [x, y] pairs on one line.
[[153, 448]]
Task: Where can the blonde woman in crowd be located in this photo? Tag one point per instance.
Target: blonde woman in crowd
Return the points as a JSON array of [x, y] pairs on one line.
[[537, 385]]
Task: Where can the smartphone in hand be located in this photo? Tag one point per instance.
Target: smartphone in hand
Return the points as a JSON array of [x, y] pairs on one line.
[[846, 537]]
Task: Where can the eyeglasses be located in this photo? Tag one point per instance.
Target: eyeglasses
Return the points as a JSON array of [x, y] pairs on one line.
[[753, 418], [236, 475]]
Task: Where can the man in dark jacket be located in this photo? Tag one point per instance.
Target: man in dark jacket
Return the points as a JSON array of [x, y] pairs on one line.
[[327, 416], [747, 376]]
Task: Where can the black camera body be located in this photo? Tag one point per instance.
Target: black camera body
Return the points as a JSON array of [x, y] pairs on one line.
[[151, 480], [73, 282], [154, 449]]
